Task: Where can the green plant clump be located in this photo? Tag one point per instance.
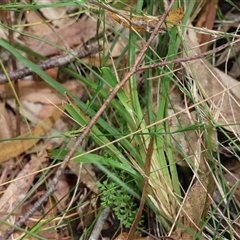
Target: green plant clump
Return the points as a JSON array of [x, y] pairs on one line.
[[122, 203]]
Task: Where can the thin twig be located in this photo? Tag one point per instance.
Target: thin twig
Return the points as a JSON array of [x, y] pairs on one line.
[[99, 224], [52, 62], [185, 59]]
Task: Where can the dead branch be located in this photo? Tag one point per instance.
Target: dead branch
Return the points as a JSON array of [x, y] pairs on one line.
[[52, 62]]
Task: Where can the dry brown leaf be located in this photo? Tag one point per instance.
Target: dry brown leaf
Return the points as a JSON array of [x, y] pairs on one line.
[[41, 92], [195, 207], [62, 194], [14, 148], [52, 72], [196, 202], [234, 71], [6, 131], [5, 123], [66, 37], [18, 189], [56, 14], [86, 174], [38, 26], [225, 107], [148, 23], [45, 111]]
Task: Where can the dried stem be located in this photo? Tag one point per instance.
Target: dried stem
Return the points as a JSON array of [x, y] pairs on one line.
[[99, 224], [147, 169]]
